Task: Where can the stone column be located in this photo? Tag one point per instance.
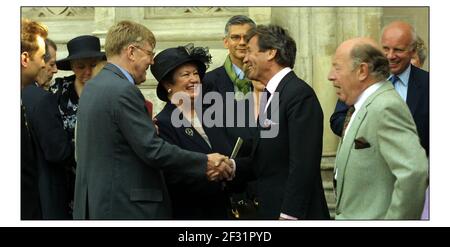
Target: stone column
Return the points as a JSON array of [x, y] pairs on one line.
[[104, 19], [323, 45]]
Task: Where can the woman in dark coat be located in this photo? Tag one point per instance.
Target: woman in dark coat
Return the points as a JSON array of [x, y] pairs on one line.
[[179, 72]]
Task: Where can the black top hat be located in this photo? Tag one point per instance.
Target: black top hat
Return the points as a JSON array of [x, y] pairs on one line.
[[171, 58], [85, 46]]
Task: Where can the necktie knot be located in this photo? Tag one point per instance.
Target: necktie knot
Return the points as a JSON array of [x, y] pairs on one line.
[[394, 79]]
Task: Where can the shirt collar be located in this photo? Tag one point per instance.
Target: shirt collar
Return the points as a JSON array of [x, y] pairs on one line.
[[127, 75], [366, 94], [404, 76], [276, 79], [238, 71]]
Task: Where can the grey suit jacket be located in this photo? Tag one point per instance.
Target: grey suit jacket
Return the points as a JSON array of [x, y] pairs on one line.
[[120, 157], [381, 166]]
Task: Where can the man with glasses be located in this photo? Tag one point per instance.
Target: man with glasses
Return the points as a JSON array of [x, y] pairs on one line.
[[230, 78]]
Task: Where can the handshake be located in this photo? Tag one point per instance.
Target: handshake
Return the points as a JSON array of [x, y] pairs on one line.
[[219, 167]]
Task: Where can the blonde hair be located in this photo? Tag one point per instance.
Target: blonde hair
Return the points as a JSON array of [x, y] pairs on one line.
[[29, 32], [125, 33]]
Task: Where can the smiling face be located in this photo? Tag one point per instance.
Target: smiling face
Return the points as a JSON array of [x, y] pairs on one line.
[[257, 62], [186, 80], [235, 42], [142, 58], [397, 47]]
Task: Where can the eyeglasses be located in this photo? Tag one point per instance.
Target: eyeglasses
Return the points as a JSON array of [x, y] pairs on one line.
[[148, 52], [237, 37]]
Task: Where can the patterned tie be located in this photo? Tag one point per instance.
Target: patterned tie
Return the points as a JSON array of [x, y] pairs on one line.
[[350, 112], [394, 79]]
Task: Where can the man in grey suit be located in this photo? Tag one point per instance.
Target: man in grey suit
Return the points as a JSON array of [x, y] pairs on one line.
[[381, 168], [120, 156]]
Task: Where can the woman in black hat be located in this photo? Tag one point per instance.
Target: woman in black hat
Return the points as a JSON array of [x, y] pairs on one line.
[[179, 72], [84, 55]]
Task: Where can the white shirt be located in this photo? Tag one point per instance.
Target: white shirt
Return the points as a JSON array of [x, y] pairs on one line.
[[274, 82], [360, 101]]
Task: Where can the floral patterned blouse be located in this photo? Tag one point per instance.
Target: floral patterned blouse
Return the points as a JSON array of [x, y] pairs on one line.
[[64, 89]]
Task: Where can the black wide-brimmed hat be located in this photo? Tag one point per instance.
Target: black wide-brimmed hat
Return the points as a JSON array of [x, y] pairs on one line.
[[85, 46], [171, 58]]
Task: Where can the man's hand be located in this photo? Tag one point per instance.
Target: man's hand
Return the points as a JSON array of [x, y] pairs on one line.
[[219, 167]]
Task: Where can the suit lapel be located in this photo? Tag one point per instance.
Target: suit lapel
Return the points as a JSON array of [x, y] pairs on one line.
[[346, 144], [414, 91], [289, 76], [226, 85]]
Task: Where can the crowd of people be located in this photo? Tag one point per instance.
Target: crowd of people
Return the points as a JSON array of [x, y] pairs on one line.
[[242, 141]]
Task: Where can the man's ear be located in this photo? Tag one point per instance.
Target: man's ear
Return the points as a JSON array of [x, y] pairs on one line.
[[130, 52], [24, 59], [272, 53], [225, 42], [363, 71]]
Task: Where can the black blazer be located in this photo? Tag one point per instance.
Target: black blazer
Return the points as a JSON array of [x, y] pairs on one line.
[[54, 152], [287, 166], [194, 198], [417, 99], [30, 206], [120, 159]]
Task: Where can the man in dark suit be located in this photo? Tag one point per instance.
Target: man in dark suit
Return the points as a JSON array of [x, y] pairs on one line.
[[54, 152], [230, 78], [32, 53], [286, 164], [399, 43], [119, 156]]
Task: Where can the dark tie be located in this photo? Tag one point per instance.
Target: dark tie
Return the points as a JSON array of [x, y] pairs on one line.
[[394, 79], [263, 101], [350, 112]]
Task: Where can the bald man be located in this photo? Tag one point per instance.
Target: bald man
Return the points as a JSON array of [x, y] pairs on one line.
[[381, 168], [399, 44]]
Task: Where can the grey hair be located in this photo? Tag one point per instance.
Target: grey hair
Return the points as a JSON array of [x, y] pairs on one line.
[[238, 20], [275, 37], [373, 57]]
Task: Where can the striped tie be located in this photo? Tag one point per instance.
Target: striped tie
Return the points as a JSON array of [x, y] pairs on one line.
[[394, 79]]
